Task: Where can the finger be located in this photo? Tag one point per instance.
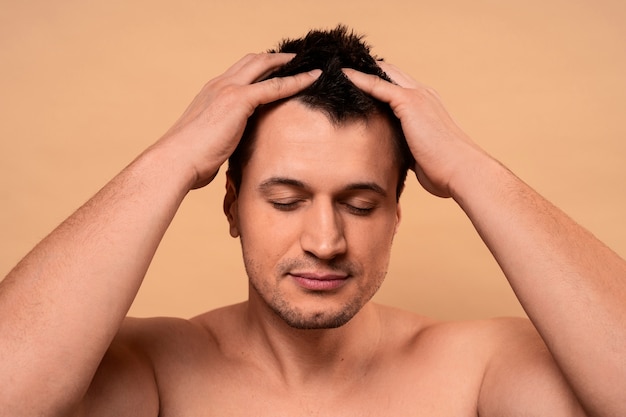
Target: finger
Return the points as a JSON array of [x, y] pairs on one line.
[[282, 87], [252, 67], [372, 84], [399, 76]]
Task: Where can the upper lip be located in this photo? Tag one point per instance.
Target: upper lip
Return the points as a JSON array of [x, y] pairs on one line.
[[319, 275]]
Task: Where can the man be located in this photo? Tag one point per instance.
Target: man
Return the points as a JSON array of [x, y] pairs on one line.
[[313, 197]]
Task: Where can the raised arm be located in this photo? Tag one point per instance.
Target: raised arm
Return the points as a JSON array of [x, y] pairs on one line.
[[571, 285], [62, 305]]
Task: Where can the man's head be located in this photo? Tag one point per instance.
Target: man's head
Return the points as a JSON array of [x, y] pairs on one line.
[[313, 190], [332, 94]]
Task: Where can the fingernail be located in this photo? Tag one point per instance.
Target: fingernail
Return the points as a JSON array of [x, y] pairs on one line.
[[315, 73]]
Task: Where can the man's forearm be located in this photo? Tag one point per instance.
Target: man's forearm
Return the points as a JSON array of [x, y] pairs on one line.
[[64, 302], [571, 285]]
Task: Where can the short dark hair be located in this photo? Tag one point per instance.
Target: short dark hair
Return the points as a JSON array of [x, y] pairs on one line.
[[332, 93]]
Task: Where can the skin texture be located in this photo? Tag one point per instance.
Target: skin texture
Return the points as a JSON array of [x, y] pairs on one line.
[[320, 210], [67, 349]]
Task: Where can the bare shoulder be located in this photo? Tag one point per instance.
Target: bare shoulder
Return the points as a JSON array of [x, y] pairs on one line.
[[521, 376], [440, 364], [160, 337], [179, 347], [494, 367], [471, 339], [146, 359], [125, 382]]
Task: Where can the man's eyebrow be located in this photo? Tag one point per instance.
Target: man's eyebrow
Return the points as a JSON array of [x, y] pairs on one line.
[[367, 186], [270, 182], [357, 186]]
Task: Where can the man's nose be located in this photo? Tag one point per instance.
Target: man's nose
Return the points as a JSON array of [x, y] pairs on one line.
[[323, 232]]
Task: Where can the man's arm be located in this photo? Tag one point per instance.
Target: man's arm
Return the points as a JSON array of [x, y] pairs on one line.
[[571, 285], [62, 305]]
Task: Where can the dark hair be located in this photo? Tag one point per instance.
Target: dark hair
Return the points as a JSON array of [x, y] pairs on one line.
[[332, 93]]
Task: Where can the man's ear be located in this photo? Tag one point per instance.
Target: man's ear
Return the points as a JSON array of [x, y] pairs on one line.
[[398, 217], [230, 206]]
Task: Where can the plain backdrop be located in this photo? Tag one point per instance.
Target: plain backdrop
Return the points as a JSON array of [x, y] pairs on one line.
[[87, 85]]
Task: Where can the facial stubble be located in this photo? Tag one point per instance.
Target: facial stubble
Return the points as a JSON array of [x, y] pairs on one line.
[[269, 290]]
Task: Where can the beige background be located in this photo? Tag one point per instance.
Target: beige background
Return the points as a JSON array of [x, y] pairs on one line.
[[86, 85]]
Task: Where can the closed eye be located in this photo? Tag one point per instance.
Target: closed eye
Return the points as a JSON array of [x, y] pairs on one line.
[[358, 210], [285, 205]]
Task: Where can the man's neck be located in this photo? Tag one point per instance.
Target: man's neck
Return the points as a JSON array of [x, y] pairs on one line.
[[303, 356]]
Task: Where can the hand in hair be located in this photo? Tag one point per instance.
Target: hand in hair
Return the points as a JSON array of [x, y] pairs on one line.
[[442, 151], [209, 130]]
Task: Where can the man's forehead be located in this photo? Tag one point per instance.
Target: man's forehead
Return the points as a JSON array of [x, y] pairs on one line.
[[301, 146], [293, 120]]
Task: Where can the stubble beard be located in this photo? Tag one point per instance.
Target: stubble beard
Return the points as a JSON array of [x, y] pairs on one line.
[[294, 317]]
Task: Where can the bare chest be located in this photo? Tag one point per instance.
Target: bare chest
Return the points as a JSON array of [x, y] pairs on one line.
[[394, 393]]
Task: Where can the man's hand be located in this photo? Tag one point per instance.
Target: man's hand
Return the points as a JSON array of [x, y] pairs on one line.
[[209, 130], [440, 148]]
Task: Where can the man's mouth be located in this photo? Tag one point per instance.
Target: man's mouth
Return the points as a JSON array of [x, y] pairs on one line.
[[316, 281]]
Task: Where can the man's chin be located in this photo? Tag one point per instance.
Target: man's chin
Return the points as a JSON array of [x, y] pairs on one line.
[[315, 324], [316, 320]]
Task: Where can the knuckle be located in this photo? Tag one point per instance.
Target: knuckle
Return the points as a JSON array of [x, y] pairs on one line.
[[260, 56], [377, 83], [278, 84], [228, 93], [250, 56]]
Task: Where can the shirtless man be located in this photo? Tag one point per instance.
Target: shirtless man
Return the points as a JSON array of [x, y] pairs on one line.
[[313, 197]]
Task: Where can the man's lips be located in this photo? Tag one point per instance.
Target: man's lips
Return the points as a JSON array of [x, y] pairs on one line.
[[319, 281]]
